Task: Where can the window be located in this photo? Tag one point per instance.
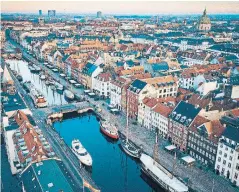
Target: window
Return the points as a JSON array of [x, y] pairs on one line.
[[237, 166], [225, 155], [226, 148], [219, 159], [229, 165], [224, 162], [230, 158], [236, 175], [220, 152]]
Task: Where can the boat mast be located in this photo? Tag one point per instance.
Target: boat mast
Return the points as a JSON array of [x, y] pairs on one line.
[[156, 154], [127, 119]]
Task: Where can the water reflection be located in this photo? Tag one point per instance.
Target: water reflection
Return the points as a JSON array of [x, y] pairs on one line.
[[112, 170], [52, 96]]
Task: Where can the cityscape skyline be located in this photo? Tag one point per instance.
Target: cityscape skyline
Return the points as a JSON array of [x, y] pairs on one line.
[[116, 7]]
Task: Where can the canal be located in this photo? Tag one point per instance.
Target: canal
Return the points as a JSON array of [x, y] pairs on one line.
[[112, 170], [53, 97]]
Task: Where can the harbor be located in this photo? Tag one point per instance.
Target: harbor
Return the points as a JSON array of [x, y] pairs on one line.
[[52, 96], [108, 157]]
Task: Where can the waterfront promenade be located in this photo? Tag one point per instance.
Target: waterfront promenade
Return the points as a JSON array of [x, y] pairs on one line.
[[198, 179]]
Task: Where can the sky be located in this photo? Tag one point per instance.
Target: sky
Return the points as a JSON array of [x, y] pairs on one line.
[[122, 7]]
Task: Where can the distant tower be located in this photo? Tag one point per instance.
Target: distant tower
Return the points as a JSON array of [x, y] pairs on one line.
[[99, 14], [204, 23], [40, 12], [51, 13]]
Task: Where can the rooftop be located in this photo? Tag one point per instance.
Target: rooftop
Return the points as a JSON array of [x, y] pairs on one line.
[[185, 113], [37, 176], [12, 102]]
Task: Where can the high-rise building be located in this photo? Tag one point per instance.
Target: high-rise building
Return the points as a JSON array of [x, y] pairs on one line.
[[40, 12], [99, 14], [51, 13]]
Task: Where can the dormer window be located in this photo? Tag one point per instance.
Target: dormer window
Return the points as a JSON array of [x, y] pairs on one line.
[[178, 116], [182, 119]]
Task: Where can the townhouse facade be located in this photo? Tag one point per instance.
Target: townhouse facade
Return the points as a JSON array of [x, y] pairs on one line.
[[181, 118]]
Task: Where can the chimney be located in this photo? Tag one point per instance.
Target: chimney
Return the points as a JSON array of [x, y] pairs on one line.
[[40, 149]]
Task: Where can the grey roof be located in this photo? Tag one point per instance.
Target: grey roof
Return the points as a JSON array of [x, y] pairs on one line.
[[137, 86], [37, 178], [184, 113], [232, 133]]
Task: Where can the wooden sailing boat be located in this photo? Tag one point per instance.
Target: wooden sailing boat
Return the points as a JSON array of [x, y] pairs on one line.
[[127, 145]]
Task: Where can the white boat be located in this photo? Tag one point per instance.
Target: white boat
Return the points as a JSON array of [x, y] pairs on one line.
[[68, 94], [81, 152], [161, 175], [43, 77], [59, 87], [38, 99]]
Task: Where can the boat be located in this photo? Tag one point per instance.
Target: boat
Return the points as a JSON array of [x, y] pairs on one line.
[[53, 87], [128, 146], [32, 69], [161, 175], [81, 152], [19, 78], [68, 94], [47, 82], [55, 70], [59, 86], [38, 99], [109, 130], [37, 68], [42, 77]]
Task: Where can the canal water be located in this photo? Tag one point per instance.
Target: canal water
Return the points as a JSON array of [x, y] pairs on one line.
[[52, 96], [112, 170]]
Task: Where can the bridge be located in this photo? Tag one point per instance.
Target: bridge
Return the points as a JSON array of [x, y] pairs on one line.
[[79, 174]]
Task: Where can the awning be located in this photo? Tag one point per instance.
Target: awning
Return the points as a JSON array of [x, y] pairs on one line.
[[188, 159], [91, 94], [62, 75], [111, 106], [87, 91], [170, 147], [114, 110]]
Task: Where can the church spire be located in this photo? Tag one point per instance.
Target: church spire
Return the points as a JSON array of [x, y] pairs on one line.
[[205, 11]]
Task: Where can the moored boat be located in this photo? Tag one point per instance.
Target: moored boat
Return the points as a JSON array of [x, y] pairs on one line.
[[109, 130], [42, 77], [128, 146], [38, 99], [81, 152], [68, 94], [161, 175]]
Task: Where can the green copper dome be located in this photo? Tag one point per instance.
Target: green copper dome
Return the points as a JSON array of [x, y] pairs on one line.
[[204, 19]]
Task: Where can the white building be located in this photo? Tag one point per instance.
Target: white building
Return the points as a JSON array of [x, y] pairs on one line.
[[153, 114], [227, 160], [101, 84], [118, 89]]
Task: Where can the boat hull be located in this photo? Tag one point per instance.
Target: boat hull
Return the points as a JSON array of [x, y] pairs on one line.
[[125, 146], [108, 134]]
